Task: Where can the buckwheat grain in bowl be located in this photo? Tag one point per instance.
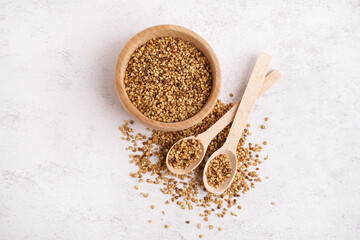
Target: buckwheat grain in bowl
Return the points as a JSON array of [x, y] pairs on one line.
[[168, 79]]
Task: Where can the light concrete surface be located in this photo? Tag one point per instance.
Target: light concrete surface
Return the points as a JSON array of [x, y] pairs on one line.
[[64, 171]]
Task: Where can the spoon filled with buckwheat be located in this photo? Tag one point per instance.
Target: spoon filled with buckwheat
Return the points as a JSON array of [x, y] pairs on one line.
[[221, 167], [187, 153]]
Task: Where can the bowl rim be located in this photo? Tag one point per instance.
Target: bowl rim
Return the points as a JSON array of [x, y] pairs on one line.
[[181, 33]]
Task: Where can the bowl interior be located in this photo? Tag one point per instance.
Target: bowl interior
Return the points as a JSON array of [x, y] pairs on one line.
[[176, 32]]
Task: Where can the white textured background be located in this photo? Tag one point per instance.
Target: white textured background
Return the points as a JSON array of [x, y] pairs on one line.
[[64, 173]]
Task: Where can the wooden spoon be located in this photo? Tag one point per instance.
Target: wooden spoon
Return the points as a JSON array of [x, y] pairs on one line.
[[247, 103], [225, 120]]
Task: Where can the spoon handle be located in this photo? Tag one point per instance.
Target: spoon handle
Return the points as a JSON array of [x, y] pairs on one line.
[[229, 116], [248, 100]]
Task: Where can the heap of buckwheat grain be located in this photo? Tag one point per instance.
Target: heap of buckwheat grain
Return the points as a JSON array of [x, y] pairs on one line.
[[218, 171], [183, 153], [168, 79], [187, 191]]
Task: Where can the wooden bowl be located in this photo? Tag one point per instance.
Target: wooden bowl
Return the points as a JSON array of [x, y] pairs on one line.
[[176, 32]]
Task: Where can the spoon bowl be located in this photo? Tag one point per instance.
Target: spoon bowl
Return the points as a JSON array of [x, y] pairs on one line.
[[192, 165], [229, 180]]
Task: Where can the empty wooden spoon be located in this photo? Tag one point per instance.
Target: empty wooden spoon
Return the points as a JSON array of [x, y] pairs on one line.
[[247, 103], [210, 133]]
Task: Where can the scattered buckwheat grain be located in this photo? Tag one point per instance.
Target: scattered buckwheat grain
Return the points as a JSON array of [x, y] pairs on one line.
[[187, 191]]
